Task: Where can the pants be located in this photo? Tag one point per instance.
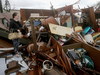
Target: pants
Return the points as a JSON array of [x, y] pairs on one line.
[[16, 44]]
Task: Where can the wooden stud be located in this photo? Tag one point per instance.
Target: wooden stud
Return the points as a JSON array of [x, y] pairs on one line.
[[92, 18], [34, 35], [71, 10]]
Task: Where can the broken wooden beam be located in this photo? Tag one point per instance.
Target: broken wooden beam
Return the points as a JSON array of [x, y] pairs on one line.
[[10, 51]]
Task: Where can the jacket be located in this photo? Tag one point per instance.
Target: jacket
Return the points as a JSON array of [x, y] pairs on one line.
[[15, 25]]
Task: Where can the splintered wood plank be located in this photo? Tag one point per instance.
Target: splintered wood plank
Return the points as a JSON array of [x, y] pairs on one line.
[[60, 30]]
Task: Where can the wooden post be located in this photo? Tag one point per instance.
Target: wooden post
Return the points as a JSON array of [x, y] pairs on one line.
[[92, 18], [90, 12], [72, 16], [34, 35], [23, 16]]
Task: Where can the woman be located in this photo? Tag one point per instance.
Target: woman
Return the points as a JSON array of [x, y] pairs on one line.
[[15, 25]]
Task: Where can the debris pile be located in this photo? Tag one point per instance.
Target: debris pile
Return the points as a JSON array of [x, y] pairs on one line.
[[61, 44]]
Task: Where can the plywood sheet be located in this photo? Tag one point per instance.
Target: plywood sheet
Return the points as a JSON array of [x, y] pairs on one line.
[[60, 30]]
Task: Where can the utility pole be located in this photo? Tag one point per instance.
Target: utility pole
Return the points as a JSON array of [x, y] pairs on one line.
[[1, 10]]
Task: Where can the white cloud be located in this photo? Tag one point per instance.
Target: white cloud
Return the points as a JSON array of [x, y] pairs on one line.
[[45, 4]]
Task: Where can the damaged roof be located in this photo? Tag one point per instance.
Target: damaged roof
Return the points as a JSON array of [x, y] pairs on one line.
[[1, 16], [6, 15], [3, 27]]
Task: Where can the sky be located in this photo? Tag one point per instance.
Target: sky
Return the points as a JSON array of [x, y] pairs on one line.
[[45, 4]]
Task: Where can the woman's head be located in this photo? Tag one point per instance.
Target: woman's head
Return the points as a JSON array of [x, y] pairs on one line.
[[15, 16]]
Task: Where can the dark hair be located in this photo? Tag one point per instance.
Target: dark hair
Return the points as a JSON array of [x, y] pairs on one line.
[[14, 14]]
